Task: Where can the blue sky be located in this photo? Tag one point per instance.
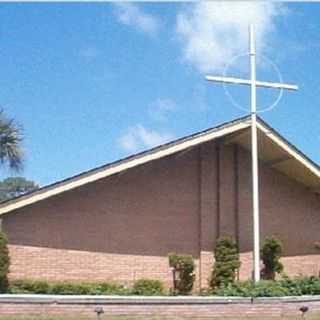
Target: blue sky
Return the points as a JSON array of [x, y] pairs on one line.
[[95, 82]]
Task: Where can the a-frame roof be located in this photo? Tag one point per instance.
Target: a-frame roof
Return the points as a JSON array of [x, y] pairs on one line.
[[274, 150]]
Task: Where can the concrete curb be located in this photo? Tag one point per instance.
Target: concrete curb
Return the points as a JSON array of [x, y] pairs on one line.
[[192, 306], [148, 300]]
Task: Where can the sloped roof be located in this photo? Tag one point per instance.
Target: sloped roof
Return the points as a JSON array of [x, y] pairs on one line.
[[274, 150]]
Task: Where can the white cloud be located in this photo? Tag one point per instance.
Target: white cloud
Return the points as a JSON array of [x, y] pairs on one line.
[[161, 108], [131, 15], [138, 138], [211, 33]]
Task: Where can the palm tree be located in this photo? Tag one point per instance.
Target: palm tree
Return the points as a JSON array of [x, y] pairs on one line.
[[10, 143]]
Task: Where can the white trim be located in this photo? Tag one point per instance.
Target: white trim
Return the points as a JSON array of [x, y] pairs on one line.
[[156, 154], [282, 144]]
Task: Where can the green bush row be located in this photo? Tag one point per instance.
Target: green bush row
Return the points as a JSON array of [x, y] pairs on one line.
[[270, 288], [141, 287], [147, 287]]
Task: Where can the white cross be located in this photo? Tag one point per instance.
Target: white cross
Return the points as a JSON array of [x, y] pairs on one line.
[[254, 146]]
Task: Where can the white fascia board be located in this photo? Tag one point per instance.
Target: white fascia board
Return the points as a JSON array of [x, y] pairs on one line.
[[130, 163], [287, 148]]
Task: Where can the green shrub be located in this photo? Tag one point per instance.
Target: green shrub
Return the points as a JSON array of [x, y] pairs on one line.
[[67, 287], [266, 288], [226, 264], [111, 289], [29, 286], [269, 288], [263, 288], [4, 263], [241, 289], [183, 266], [301, 285], [270, 254], [148, 287]]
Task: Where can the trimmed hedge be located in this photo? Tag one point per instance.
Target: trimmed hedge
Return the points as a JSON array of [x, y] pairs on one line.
[[270, 254], [268, 288], [146, 287], [66, 287], [183, 265], [226, 263]]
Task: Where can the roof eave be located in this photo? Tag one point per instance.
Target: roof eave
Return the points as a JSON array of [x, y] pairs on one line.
[[125, 164]]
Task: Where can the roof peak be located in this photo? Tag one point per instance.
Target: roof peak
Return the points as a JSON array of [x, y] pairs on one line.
[[227, 128]]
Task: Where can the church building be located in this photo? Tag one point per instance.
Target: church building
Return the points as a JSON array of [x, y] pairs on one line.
[[118, 222]]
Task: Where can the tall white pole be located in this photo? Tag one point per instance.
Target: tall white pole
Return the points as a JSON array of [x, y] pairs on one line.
[[254, 156], [254, 143]]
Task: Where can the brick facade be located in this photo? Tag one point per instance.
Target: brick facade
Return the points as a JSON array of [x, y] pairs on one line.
[[204, 307], [121, 228]]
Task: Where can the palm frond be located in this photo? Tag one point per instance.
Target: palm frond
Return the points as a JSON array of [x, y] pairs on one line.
[[10, 143]]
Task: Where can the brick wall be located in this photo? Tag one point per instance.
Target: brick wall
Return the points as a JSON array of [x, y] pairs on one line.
[[121, 228], [59, 264], [169, 307]]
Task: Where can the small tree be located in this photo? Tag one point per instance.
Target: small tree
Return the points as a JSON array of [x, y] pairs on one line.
[[4, 263], [226, 264], [183, 272], [15, 186], [270, 254]]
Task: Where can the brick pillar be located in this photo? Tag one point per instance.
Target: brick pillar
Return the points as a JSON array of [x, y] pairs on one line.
[[208, 209], [228, 191]]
